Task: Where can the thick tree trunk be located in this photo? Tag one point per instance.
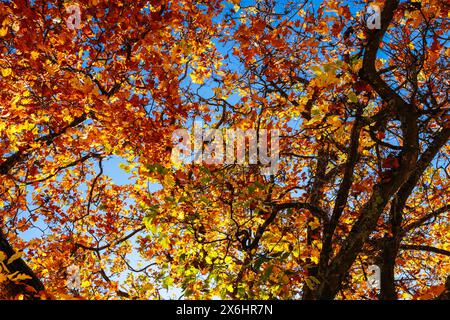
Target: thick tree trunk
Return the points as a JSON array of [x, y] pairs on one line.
[[446, 294], [316, 195], [30, 287], [389, 254]]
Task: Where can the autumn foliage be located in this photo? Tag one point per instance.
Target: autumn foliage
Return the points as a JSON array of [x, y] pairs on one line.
[[363, 177]]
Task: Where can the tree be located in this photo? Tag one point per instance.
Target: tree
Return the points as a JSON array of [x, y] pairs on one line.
[[363, 174]]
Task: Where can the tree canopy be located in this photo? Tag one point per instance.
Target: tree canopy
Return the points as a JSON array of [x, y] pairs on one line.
[[363, 175]]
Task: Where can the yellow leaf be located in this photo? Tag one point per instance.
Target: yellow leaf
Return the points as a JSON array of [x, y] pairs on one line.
[[197, 79], [310, 284], [314, 259], [313, 120], [6, 72], [21, 277], [124, 167], [34, 55], [334, 120], [16, 26], [3, 31], [14, 257], [317, 70], [3, 277]]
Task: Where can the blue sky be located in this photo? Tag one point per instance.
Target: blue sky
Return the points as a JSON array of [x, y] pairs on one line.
[[120, 177]]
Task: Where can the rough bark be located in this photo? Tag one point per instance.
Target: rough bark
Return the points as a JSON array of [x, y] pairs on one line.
[[30, 287]]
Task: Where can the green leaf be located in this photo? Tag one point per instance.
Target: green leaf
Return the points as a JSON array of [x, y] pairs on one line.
[[267, 273], [352, 97], [167, 282], [156, 168], [314, 279], [205, 180], [309, 283], [165, 243], [260, 261]]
